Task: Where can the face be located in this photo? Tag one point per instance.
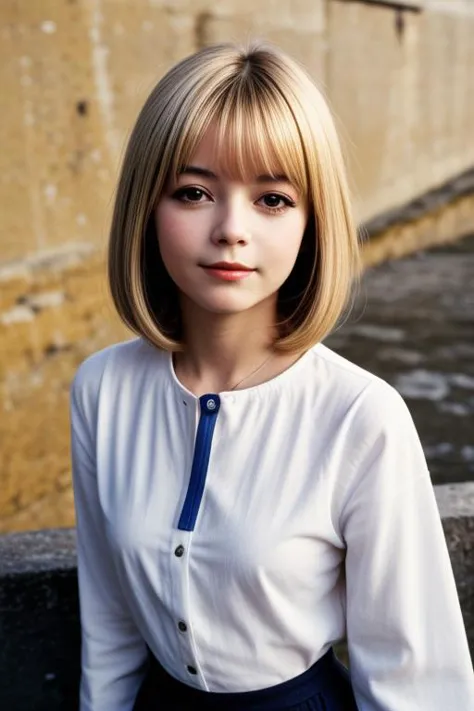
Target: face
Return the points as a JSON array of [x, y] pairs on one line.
[[228, 245]]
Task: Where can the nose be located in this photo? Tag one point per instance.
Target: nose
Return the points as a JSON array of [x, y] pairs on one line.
[[232, 226]]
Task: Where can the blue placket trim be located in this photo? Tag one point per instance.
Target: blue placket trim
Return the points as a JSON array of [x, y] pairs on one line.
[[209, 405]]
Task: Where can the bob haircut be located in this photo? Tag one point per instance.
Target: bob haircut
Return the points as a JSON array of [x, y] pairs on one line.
[[270, 117]]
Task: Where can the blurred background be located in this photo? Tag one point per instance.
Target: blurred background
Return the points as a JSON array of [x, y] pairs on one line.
[[399, 76]]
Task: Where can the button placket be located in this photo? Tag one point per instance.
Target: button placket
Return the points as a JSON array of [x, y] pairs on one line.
[[207, 408], [184, 637]]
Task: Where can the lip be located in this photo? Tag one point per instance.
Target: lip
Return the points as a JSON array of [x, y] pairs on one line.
[[228, 271], [229, 266]]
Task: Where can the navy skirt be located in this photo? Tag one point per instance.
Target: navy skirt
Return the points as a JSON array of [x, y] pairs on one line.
[[324, 687]]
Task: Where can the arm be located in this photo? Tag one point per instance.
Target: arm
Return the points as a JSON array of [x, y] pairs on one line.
[[113, 653], [407, 645]]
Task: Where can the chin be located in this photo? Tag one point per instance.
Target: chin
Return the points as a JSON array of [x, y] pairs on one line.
[[226, 307]]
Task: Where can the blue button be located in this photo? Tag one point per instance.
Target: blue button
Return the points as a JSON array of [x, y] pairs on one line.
[[210, 404]]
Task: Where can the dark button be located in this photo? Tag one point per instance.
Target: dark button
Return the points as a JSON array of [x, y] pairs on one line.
[[182, 626], [210, 404], [191, 670], [179, 551]]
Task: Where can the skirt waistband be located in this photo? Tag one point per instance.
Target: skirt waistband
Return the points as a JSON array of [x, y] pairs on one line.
[[326, 674]]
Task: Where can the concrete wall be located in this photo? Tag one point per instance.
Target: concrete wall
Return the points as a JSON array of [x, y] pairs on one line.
[[402, 83], [399, 75], [75, 74], [39, 655]]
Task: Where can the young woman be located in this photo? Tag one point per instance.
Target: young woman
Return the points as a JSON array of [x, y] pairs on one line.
[[245, 497]]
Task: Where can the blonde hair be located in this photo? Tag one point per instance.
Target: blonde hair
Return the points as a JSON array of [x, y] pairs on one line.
[[269, 114]]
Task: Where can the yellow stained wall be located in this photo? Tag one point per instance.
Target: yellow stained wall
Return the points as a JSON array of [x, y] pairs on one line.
[[74, 73]]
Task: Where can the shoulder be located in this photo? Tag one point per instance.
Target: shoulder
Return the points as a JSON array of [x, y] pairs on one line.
[[366, 402], [341, 377], [375, 443], [338, 368], [90, 372], [113, 363]]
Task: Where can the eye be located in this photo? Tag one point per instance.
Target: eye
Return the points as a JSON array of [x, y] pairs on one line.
[[275, 202], [190, 195]]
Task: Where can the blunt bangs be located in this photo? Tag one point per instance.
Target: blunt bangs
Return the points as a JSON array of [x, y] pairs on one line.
[[256, 135]]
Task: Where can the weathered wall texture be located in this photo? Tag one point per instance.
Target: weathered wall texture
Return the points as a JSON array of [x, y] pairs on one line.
[[74, 74], [403, 85]]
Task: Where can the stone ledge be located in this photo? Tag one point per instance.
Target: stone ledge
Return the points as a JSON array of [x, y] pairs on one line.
[[428, 203], [39, 619], [39, 622], [36, 552], [455, 500]]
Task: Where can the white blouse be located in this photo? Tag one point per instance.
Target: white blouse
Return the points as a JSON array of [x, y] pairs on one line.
[[239, 535]]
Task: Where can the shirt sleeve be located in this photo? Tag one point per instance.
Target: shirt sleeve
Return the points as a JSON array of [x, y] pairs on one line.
[[113, 653], [407, 645]]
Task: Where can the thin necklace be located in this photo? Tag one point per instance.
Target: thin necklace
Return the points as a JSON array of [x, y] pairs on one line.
[[254, 372]]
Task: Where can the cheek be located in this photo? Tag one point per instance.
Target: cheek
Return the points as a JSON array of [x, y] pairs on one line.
[[174, 236], [167, 226], [168, 234], [286, 242]]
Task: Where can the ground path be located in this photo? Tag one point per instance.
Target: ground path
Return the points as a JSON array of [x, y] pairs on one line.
[[413, 324]]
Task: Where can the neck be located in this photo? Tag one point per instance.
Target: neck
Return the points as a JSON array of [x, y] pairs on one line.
[[223, 349]]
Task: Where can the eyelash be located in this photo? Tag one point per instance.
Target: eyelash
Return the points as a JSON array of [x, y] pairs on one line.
[[181, 193]]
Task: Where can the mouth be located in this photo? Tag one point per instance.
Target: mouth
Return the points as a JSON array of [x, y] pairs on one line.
[[228, 271], [229, 266]]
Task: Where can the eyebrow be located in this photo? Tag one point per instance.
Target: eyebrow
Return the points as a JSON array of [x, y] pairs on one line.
[[206, 173]]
